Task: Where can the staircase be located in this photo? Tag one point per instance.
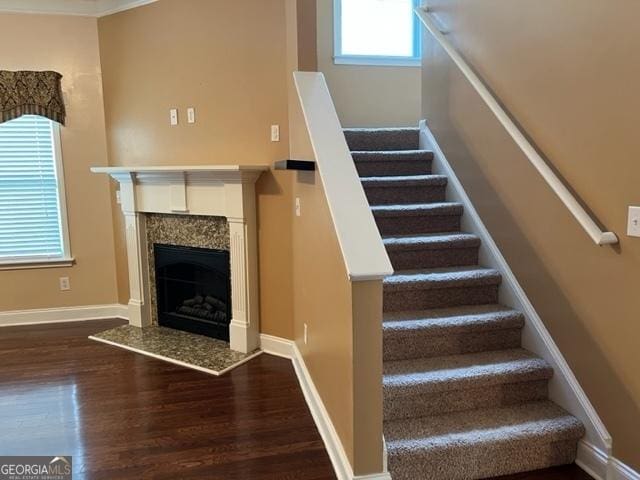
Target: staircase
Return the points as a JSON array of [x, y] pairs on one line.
[[462, 398]]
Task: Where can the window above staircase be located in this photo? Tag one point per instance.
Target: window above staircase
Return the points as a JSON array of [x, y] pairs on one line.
[[383, 32]]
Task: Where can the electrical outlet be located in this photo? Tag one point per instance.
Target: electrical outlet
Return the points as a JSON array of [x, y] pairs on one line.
[[275, 133], [173, 116], [191, 115], [298, 210], [306, 334], [118, 197], [65, 284], [633, 227]]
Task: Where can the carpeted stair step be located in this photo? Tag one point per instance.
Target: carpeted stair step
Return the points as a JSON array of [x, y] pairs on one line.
[[405, 189], [462, 399], [438, 288], [450, 331], [393, 162], [432, 250], [433, 386], [377, 139], [482, 443], [417, 218]]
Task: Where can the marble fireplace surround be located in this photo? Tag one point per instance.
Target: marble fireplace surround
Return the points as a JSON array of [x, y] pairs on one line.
[[213, 191], [184, 231]]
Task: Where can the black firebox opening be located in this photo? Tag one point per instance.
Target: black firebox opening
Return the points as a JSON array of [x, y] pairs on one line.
[[193, 289]]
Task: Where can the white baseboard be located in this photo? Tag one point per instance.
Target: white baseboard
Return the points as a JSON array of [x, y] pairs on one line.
[[61, 315], [373, 476], [277, 346], [620, 471], [592, 460], [288, 349], [602, 466]]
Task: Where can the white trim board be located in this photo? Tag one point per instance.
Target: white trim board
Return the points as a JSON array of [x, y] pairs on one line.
[[601, 466], [288, 349], [620, 471], [592, 460], [280, 347], [62, 315], [86, 8]]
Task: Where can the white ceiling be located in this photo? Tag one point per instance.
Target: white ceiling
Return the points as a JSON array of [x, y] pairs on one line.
[[93, 8]]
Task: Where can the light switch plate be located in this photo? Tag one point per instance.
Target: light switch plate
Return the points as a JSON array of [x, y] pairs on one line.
[[633, 227], [191, 115], [298, 209], [275, 133], [173, 116]]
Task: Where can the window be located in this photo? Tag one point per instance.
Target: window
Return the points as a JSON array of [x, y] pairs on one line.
[[376, 32], [32, 206]]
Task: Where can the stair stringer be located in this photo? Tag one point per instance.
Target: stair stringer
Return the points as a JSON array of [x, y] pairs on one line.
[[564, 388]]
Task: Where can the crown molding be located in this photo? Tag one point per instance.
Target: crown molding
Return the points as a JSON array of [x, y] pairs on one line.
[[85, 8], [109, 7]]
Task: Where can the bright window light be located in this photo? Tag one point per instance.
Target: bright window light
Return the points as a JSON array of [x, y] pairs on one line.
[[370, 30]]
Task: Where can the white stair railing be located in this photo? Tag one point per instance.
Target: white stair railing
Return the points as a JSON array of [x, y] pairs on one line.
[[362, 249]]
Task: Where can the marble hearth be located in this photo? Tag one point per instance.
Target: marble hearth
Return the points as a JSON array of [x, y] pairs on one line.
[[184, 206]]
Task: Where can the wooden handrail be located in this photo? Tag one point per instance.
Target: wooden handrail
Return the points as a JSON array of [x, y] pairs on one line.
[[581, 215]]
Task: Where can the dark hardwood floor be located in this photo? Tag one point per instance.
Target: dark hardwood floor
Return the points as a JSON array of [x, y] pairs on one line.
[[569, 472], [125, 416]]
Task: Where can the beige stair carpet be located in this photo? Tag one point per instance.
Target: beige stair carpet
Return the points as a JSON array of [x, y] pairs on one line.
[[462, 399]]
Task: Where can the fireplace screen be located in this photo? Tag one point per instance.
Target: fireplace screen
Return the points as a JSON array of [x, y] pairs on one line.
[[193, 289]]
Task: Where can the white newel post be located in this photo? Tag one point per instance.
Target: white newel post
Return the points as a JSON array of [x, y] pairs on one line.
[[209, 190]]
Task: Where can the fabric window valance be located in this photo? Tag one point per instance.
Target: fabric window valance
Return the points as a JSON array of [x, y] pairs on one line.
[[31, 93]]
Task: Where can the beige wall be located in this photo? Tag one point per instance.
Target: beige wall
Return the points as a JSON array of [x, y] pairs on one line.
[[344, 329], [229, 61], [564, 69], [69, 45], [307, 41], [367, 96], [322, 301]]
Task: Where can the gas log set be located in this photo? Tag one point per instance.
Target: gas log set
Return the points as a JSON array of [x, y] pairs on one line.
[[205, 307]]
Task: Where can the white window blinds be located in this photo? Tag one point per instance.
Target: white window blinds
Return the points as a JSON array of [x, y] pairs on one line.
[[30, 220]]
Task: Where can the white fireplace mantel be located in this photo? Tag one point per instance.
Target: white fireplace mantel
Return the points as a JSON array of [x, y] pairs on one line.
[[216, 190]]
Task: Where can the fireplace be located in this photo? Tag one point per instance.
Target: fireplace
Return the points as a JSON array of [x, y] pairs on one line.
[[222, 191], [193, 289]]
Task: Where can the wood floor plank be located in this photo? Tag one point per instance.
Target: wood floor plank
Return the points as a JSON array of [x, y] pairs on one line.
[[567, 472]]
